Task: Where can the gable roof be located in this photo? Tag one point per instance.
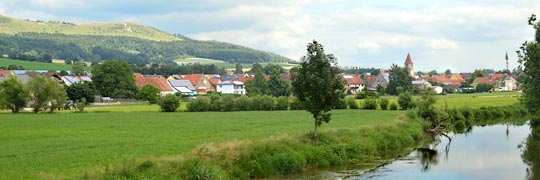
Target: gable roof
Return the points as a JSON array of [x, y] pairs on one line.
[[408, 60], [482, 80], [496, 76], [181, 83], [157, 81], [353, 79], [6, 72], [193, 78]]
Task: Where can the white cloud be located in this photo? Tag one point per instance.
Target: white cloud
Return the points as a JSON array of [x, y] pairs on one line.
[[2, 10], [443, 43], [369, 45]]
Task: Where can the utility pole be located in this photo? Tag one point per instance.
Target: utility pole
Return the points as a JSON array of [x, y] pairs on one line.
[[507, 70]]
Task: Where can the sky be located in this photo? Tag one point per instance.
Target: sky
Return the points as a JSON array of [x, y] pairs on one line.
[[460, 35]]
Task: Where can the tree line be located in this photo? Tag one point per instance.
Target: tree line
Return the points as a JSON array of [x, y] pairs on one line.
[[45, 46]]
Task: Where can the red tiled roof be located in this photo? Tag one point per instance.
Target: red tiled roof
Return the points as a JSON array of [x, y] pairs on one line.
[[408, 60], [459, 77], [496, 76], [482, 80], [353, 79], [372, 79], [193, 78], [158, 81], [6, 72]]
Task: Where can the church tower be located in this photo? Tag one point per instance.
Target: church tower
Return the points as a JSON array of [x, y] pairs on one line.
[[409, 65]]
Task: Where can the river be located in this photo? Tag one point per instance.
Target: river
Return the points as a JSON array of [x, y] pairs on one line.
[[498, 151]]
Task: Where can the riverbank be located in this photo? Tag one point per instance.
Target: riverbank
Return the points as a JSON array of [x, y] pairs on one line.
[[276, 156]]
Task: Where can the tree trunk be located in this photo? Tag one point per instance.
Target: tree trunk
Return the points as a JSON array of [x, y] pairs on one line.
[[315, 131]]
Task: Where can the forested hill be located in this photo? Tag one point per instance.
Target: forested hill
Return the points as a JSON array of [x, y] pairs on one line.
[[139, 44]]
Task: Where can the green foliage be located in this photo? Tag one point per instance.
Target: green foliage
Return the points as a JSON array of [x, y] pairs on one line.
[[296, 104], [201, 104], [149, 93], [384, 103], [351, 102], [169, 103], [393, 106], [114, 78], [39, 93], [81, 104], [405, 100], [277, 85], [238, 69], [426, 106], [77, 68], [282, 103], [484, 87], [318, 84], [341, 104], [399, 77], [366, 94], [13, 94], [529, 59], [58, 95], [77, 91], [370, 103]]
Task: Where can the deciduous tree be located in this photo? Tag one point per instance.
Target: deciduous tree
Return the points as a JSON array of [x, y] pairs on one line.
[[529, 58], [149, 93], [114, 78], [317, 84], [13, 94]]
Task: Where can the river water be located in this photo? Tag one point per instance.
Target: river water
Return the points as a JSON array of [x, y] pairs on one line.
[[483, 152]]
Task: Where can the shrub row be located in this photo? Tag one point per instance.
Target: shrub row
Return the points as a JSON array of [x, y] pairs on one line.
[[274, 157], [237, 103]]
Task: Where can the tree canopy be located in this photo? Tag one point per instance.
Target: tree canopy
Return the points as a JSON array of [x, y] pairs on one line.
[[13, 94], [529, 58], [399, 77], [114, 78], [317, 84]]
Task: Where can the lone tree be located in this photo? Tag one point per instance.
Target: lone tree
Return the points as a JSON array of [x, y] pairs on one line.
[[399, 77], [317, 84], [529, 59]]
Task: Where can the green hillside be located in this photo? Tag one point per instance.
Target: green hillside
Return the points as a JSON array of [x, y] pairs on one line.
[[137, 44], [14, 26]]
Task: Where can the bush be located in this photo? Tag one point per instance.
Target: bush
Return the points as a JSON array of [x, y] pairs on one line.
[[351, 102], [296, 104], [370, 103], [384, 103], [227, 103], [282, 103], [169, 103], [460, 126], [393, 106], [243, 103], [201, 104], [367, 94], [149, 93], [81, 104], [405, 100], [340, 104]]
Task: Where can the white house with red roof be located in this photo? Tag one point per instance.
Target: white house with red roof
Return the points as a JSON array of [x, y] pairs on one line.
[[354, 83]]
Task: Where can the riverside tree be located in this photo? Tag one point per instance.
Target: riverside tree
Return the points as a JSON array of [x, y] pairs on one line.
[[529, 59], [13, 94], [317, 84], [114, 78]]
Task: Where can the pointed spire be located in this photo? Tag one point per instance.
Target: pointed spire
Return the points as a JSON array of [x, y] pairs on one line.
[[408, 60]]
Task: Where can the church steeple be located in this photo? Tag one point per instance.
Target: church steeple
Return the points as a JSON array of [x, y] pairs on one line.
[[409, 65]]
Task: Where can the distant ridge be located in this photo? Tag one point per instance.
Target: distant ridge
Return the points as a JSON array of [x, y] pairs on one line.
[[12, 26]]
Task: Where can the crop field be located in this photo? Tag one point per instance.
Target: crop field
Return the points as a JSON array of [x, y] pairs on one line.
[[29, 65], [65, 145]]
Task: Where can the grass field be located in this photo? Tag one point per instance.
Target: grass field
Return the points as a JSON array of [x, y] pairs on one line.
[[475, 100], [28, 65], [229, 66], [52, 145]]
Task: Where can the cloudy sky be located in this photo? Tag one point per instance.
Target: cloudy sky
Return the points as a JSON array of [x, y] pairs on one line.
[[460, 35]]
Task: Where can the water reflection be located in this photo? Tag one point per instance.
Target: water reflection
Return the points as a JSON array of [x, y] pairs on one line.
[[531, 152], [488, 152]]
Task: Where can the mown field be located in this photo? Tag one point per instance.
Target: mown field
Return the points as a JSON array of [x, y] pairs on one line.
[[68, 144], [29, 65], [53, 145], [220, 63]]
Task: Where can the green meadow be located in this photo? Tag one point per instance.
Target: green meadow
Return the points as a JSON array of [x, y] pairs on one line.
[[67, 144], [30, 65]]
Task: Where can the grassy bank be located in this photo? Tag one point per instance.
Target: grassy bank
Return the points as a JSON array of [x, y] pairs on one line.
[[282, 155], [36, 146]]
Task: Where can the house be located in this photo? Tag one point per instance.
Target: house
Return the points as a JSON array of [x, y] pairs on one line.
[[506, 83], [354, 83], [69, 80], [382, 80], [231, 87], [421, 84], [157, 81], [4, 74], [182, 86], [200, 81], [481, 80], [448, 82]]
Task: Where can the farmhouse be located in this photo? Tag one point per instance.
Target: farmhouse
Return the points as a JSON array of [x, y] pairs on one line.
[[157, 81], [182, 86], [355, 83]]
